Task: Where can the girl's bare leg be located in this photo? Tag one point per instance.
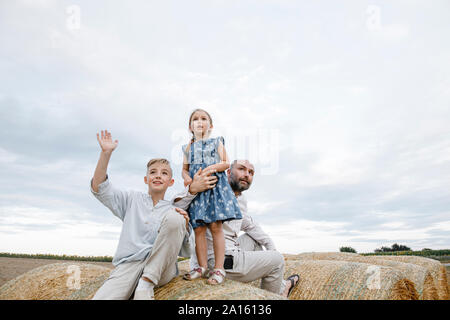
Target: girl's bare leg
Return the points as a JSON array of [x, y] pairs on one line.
[[218, 243], [201, 246]]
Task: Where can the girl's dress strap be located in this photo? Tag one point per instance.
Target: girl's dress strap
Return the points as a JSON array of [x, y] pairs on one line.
[[220, 139], [186, 150]]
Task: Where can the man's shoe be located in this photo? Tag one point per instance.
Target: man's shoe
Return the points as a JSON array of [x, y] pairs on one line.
[[146, 294]]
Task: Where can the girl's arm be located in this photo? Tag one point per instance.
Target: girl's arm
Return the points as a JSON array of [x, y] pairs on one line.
[[185, 172], [224, 163]]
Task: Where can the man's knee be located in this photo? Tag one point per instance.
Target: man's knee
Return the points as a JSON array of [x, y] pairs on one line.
[[278, 259]]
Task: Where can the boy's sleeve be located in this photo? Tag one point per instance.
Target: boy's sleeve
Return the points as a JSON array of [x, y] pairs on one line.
[[116, 200], [183, 199]]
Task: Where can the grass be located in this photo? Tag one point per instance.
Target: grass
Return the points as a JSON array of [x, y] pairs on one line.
[[440, 255], [56, 257], [61, 257]]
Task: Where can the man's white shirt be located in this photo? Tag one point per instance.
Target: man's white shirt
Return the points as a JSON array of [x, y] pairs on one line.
[[232, 228]]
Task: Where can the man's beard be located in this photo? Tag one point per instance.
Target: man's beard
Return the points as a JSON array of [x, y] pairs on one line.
[[236, 186]]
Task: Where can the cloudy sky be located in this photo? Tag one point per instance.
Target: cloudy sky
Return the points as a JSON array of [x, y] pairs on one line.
[[343, 107]]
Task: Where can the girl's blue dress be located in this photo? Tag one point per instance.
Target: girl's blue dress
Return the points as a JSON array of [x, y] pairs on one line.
[[218, 203]]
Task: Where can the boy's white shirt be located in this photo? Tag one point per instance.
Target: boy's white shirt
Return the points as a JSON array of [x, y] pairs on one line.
[[141, 220]]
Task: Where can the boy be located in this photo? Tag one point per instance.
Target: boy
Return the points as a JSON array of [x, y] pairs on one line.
[[153, 234]]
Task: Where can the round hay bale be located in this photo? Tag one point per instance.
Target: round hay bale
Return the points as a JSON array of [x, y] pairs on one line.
[[420, 276], [290, 256], [58, 281], [325, 256], [436, 269], [342, 280], [198, 289]]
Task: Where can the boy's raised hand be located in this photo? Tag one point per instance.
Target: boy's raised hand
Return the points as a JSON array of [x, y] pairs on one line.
[[106, 142]]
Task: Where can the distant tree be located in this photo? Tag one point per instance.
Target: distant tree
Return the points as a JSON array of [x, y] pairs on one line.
[[426, 249], [347, 249], [383, 249], [399, 247], [395, 247]]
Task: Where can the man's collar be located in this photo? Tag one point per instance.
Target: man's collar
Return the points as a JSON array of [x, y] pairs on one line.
[[239, 195]]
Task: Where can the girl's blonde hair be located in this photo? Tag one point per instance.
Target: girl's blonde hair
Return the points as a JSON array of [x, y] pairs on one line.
[[190, 119]]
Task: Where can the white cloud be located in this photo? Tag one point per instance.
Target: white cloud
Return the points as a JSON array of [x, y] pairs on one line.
[[256, 208], [393, 225], [308, 235], [7, 157], [349, 114], [321, 69], [305, 236], [35, 230], [391, 32]]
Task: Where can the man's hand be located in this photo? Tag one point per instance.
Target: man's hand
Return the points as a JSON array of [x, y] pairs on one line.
[[202, 181], [106, 142], [185, 216]]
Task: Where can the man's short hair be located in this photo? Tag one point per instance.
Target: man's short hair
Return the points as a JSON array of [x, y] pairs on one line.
[[159, 160], [232, 164]]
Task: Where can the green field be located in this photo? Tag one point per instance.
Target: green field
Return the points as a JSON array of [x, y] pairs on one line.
[[441, 255], [56, 257], [60, 257]]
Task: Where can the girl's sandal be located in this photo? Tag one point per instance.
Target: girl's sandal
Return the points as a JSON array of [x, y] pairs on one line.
[[217, 275], [195, 274]]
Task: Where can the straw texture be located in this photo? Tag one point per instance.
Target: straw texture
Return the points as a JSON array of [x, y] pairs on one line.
[[55, 282], [50, 282], [342, 280], [420, 276], [323, 276], [436, 269], [180, 289], [324, 256], [198, 289]]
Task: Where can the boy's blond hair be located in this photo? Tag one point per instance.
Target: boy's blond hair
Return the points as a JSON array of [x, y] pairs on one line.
[[159, 160]]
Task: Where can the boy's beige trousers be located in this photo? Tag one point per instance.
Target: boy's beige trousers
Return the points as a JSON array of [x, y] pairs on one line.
[[159, 266]]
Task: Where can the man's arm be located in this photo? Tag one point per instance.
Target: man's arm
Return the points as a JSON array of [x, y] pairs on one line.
[[202, 181], [256, 233]]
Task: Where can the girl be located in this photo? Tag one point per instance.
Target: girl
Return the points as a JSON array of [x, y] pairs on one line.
[[211, 207]]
